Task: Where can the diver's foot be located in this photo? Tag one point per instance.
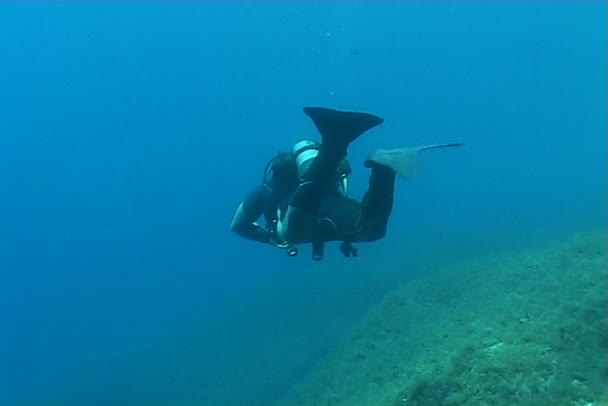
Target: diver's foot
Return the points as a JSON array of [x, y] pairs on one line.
[[401, 160]]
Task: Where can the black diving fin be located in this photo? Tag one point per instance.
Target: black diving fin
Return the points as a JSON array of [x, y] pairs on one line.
[[339, 128]]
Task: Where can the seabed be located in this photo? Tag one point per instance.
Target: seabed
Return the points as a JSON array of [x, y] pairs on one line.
[[523, 329]]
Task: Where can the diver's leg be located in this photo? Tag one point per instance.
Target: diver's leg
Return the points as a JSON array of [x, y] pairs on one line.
[[338, 129], [377, 204]]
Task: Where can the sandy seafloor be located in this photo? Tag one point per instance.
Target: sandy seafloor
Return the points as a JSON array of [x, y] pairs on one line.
[[525, 328]]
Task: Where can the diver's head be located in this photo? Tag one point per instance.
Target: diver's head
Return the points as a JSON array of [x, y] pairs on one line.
[[304, 152]]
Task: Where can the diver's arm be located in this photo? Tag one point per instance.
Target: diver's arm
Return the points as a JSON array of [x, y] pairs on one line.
[[244, 219]]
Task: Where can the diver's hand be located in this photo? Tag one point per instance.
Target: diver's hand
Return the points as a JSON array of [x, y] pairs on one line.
[[348, 249]]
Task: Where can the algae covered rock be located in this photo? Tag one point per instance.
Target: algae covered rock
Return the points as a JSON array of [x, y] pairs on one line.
[[523, 329]]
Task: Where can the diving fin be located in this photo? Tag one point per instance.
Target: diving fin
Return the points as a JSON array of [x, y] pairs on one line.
[[402, 160], [339, 128], [437, 146]]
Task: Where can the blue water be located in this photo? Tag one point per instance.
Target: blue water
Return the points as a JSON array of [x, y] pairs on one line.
[[130, 133]]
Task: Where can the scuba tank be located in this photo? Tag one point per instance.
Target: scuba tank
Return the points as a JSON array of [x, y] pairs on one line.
[[304, 153]]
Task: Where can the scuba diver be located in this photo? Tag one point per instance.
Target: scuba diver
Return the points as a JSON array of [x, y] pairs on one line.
[[303, 195], [300, 179]]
